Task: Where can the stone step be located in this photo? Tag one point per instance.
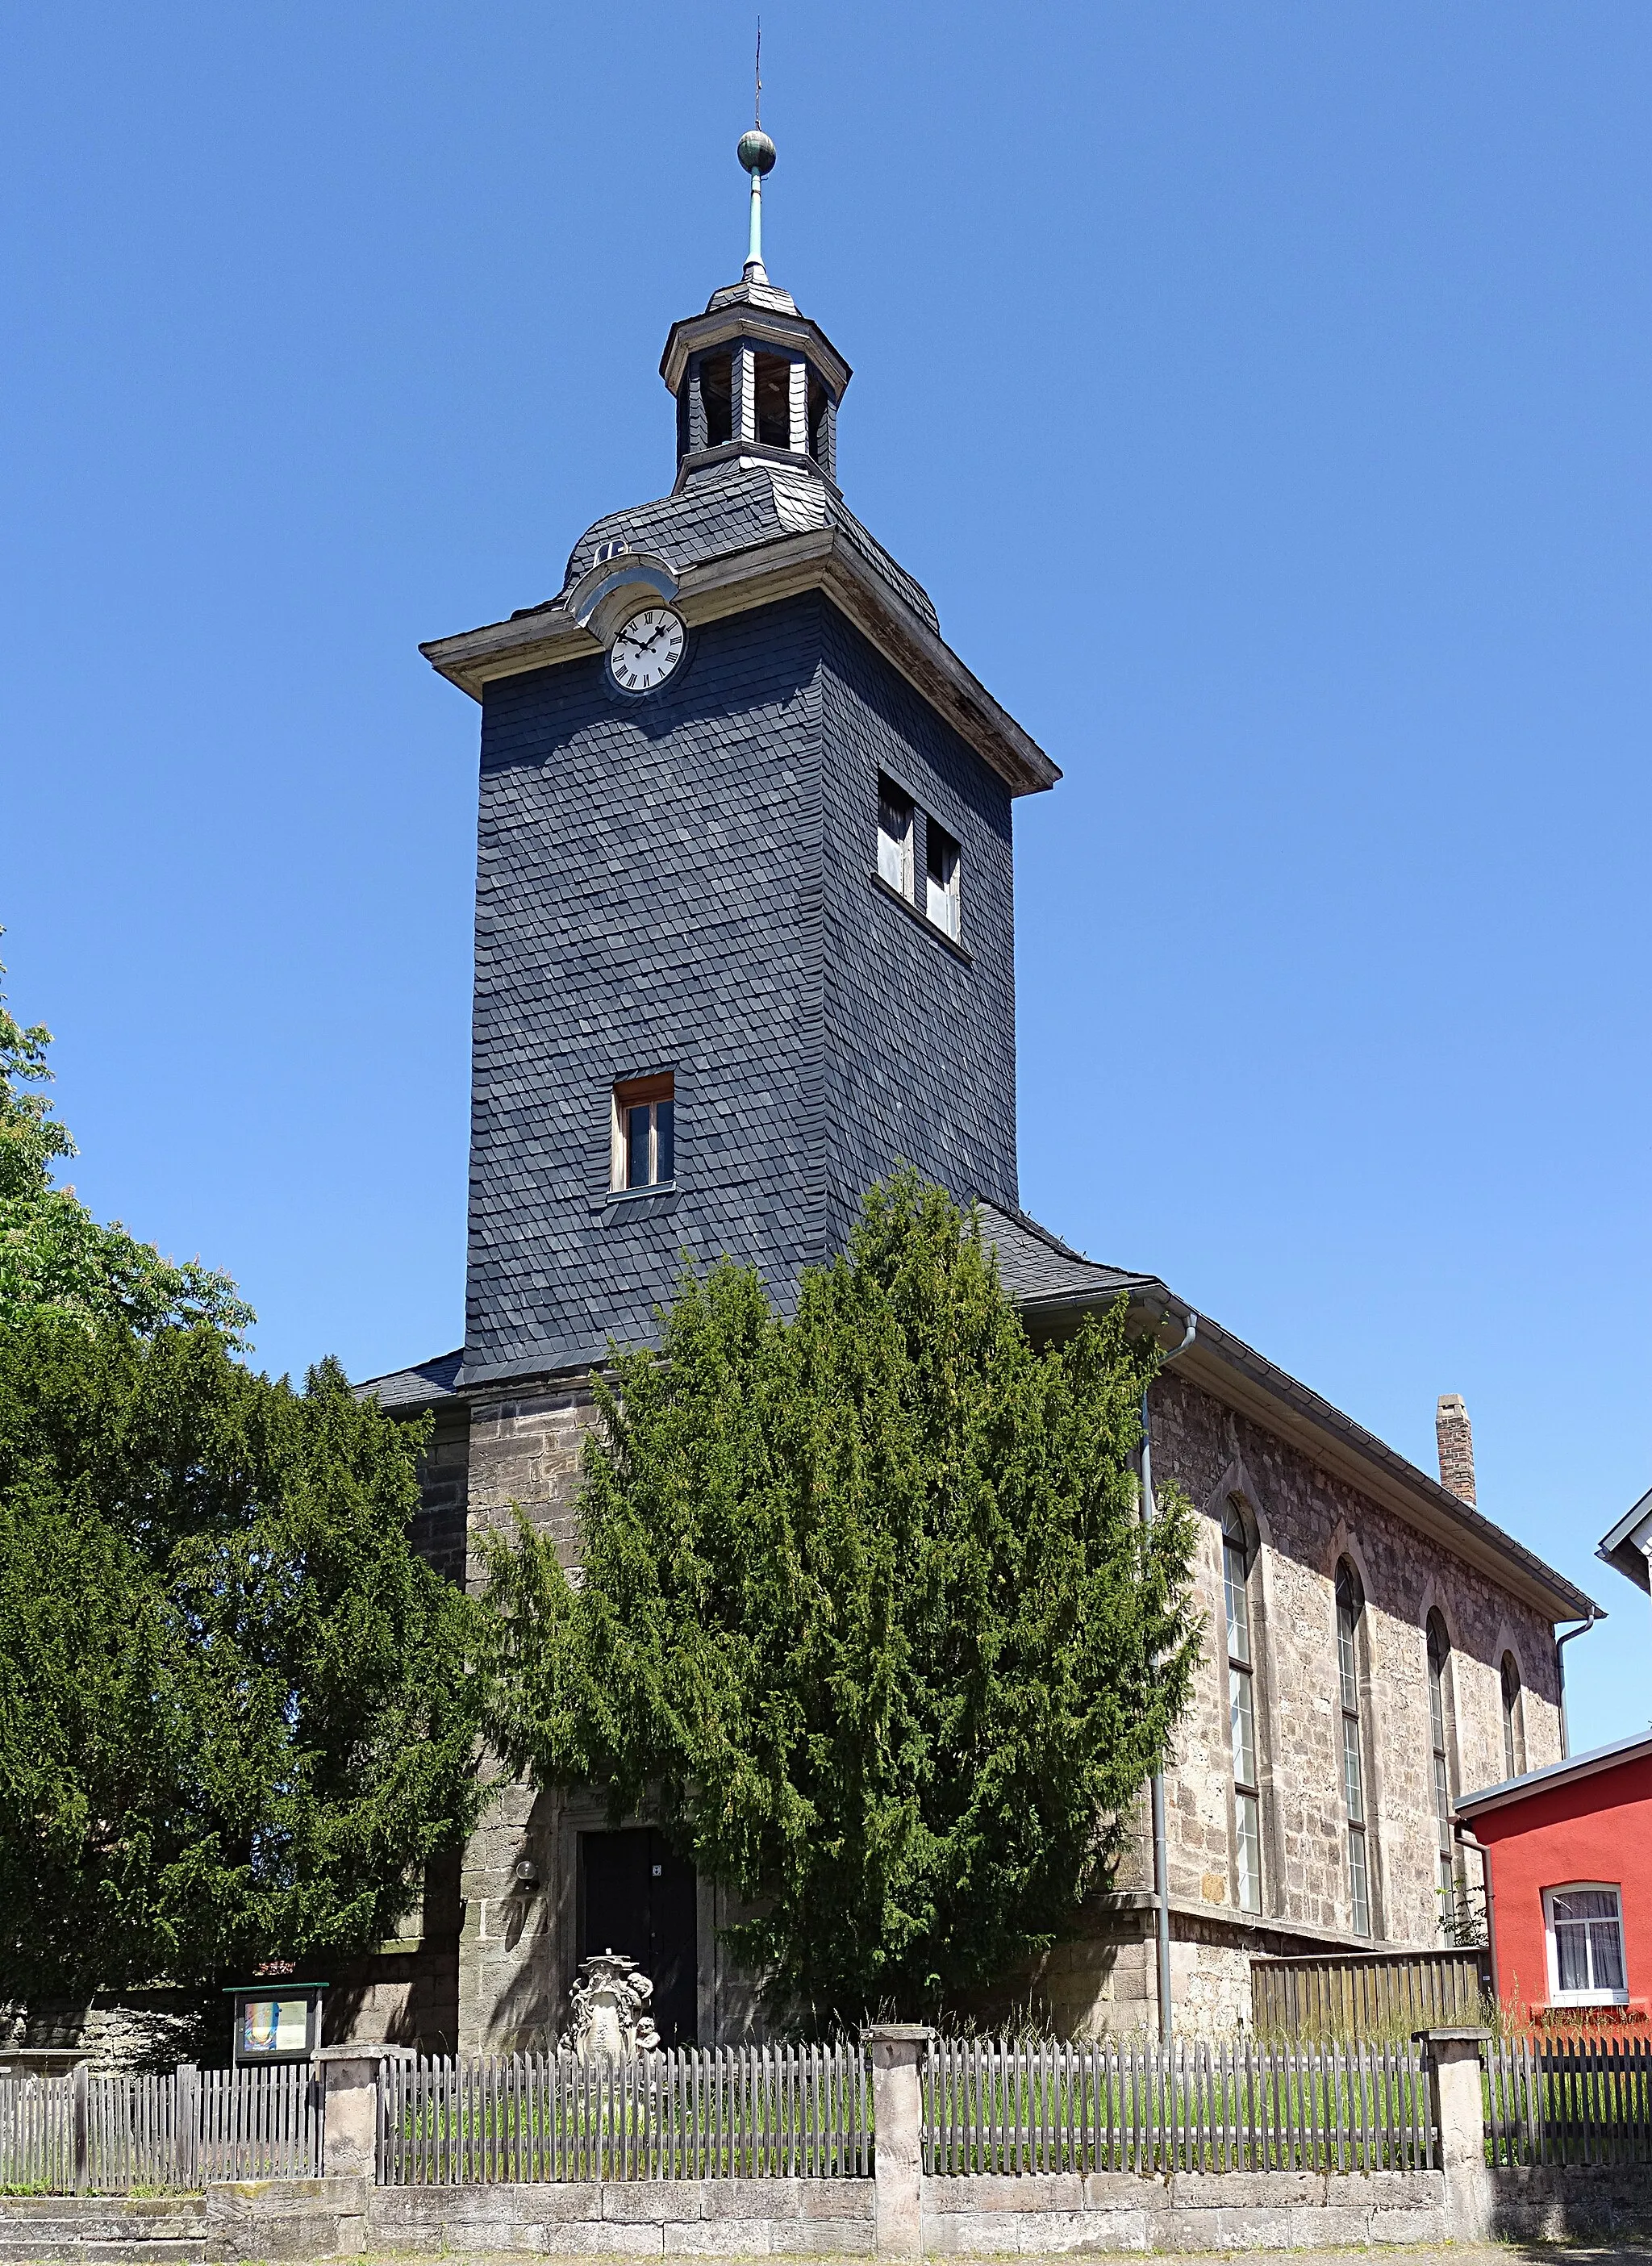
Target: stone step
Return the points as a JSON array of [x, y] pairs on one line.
[[106, 2225], [96, 2251], [82, 2210]]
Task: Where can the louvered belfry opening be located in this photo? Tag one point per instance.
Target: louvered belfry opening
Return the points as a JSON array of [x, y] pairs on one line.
[[717, 394], [773, 386]]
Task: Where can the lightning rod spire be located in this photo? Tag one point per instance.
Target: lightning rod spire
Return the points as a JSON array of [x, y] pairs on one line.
[[756, 155]]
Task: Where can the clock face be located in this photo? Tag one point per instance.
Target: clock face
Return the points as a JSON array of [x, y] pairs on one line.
[[647, 649]]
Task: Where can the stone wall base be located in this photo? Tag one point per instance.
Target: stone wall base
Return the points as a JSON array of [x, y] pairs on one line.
[[1227, 2211], [1557, 2202], [293, 2219], [767, 2219], [628, 2218], [114, 2230]]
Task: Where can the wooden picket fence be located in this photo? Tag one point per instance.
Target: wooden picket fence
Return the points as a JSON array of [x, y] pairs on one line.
[[1190, 2106], [741, 2112], [1569, 2101], [1378, 1995], [108, 2134], [259, 2125], [42, 2132]]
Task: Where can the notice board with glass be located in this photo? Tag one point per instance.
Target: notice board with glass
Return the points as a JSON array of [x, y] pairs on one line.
[[276, 2021]]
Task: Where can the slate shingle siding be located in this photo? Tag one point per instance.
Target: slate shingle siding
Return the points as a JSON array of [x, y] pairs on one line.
[[738, 506], [683, 883], [920, 1044]]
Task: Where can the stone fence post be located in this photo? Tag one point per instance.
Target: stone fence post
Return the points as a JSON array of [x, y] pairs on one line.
[[1458, 2105], [349, 2084], [897, 2051]]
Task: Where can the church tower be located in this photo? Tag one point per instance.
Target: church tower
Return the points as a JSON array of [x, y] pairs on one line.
[[744, 911], [744, 939]]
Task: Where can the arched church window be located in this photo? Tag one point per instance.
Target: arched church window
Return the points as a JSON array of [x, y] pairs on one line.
[[1350, 1610], [1440, 1727], [1514, 1726], [1238, 1557]]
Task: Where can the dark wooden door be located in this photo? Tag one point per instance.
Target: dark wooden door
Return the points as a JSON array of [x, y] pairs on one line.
[[638, 1898]]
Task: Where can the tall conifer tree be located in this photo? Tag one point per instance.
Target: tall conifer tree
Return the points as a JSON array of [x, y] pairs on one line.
[[866, 1610], [238, 1712]]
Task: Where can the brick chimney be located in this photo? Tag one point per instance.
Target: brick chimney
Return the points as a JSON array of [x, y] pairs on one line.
[[1456, 1436]]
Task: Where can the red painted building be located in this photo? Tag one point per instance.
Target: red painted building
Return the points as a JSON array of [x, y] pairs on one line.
[[1568, 1867]]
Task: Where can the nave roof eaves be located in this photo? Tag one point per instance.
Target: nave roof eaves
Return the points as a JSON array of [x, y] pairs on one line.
[[1054, 1286]]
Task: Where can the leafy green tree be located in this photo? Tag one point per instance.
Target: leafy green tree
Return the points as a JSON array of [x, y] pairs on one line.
[[238, 1714], [866, 1609], [53, 1253]]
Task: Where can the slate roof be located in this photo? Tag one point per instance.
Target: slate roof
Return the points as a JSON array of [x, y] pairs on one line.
[[1037, 1266], [420, 1387], [1042, 1272], [738, 506], [1034, 1266]]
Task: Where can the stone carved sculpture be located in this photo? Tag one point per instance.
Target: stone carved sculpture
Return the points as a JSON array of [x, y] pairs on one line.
[[610, 2022]]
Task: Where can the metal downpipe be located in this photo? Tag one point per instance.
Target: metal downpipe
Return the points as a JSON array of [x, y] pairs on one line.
[[1583, 1629]]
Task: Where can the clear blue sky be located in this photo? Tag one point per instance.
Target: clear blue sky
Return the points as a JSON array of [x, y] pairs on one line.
[[1261, 390]]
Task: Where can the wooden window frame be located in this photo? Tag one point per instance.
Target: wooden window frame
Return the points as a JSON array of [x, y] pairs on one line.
[[629, 1094], [943, 878], [892, 797]]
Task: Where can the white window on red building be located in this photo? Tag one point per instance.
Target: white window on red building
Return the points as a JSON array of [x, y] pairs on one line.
[[1584, 1926]]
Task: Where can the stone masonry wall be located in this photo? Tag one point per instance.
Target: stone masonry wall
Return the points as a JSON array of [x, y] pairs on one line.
[[134, 2029], [516, 1942], [1306, 1520], [1104, 1977], [525, 1452], [983, 2215], [438, 1532], [519, 1939]]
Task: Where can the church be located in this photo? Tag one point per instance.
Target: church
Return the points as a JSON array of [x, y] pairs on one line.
[[745, 939]]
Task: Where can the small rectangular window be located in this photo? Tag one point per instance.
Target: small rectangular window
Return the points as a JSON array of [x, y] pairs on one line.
[[643, 1137], [895, 840], [941, 860], [1585, 1929]]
